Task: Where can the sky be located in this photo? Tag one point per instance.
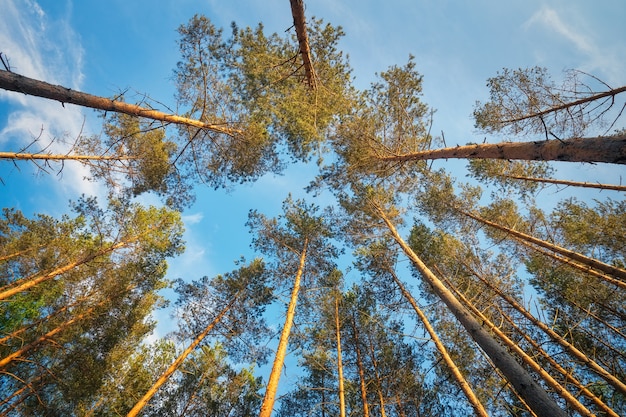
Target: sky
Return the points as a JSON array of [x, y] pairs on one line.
[[106, 47]]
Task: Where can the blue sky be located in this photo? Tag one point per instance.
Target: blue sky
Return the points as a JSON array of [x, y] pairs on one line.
[[105, 47]]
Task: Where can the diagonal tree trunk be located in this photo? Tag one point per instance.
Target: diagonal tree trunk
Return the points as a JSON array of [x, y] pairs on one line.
[[62, 157], [179, 360], [599, 370], [609, 149], [279, 360], [536, 397], [479, 409], [575, 256], [527, 359], [569, 183], [29, 86]]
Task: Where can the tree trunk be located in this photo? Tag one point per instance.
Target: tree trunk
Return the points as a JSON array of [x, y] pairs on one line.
[[575, 256], [181, 358], [272, 384], [61, 157], [15, 82], [554, 384], [479, 409], [359, 363], [609, 149], [536, 397], [299, 22], [25, 349], [611, 379], [342, 400], [26, 283], [379, 384], [569, 183], [568, 376]]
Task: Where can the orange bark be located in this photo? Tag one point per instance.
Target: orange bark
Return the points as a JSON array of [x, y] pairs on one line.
[[272, 384]]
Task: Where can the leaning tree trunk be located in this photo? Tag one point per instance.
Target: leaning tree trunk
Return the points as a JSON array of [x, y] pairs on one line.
[[272, 384], [359, 364], [575, 256], [579, 355], [176, 364], [479, 409], [536, 397], [609, 149], [568, 183], [29, 86], [527, 359]]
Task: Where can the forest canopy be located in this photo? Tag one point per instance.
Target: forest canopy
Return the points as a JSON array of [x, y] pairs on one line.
[[407, 276]]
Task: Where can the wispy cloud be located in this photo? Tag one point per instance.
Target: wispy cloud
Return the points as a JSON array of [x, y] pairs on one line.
[[602, 59], [48, 49], [550, 19]]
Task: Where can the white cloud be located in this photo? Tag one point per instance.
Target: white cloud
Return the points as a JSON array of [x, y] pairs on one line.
[[193, 218], [549, 18], [46, 49]]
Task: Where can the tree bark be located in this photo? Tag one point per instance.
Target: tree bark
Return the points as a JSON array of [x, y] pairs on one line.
[[609, 149], [479, 409], [176, 364], [54, 157], [29, 86], [272, 384], [299, 22], [536, 397]]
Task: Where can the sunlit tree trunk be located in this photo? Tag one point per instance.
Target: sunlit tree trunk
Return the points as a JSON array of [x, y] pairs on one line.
[[609, 149], [176, 364], [569, 183], [342, 400], [299, 22], [479, 409], [61, 157], [575, 256], [29, 86], [281, 351], [536, 397], [27, 348], [379, 384]]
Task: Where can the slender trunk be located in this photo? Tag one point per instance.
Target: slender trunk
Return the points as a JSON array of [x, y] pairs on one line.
[[554, 384], [479, 409], [533, 394], [379, 384], [361, 370], [33, 280], [342, 400], [584, 268], [580, 356], [594, 316], [15, 82], [568, 376], [27, 348], [609, 149], [62, 157], [570, 183], [176, 364], [575, 256], [4, 258], [297, 11], [272, 384], [17, 332], [399, 407]]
